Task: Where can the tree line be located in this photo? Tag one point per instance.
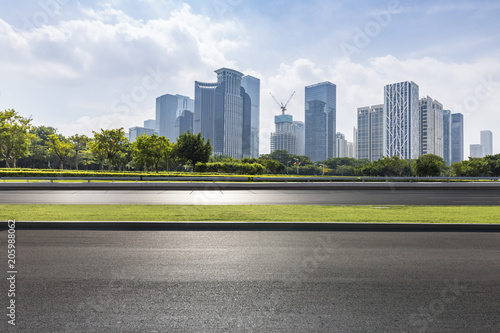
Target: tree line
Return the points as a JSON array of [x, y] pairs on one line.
[[41, 147]]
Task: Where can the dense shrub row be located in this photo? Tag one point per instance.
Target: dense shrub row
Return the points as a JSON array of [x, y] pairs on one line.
[[231, 167]]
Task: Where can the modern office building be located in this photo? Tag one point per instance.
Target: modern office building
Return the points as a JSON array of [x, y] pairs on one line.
[[300, 133], [447, 136], [487, 142], [284, 138], [431, 127], [402, 120], [320, 121], [476, 151], [341, 142], [222, 113], [370, 133], [150, 123], [355, 142], [457, 137], [252, 88], [184, 123], [350, 149], [134, 132], [168, 108]]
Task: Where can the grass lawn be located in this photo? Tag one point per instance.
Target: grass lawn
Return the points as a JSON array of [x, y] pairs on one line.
[[294, 213]]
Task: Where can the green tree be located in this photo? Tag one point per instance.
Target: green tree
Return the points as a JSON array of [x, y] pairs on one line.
[[79, 143], [99, 153], [192, 148], [109, 142], [15, 137], [61, 147], [428, 165], [152, 150], [124, 156]]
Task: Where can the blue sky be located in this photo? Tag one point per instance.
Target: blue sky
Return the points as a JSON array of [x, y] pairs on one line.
[[79, 66]]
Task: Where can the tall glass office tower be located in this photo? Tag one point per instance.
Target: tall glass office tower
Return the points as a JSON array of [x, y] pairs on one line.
[[447, 136], [487, 142], [457, 137], [402, 120], [320, 121], [223, 114], [168, 107], [252, 88]]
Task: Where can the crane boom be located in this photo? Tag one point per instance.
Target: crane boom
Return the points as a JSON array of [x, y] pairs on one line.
[[281, 106]]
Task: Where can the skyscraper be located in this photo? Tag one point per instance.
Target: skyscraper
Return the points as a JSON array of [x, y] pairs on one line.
[[402, 120], [168, 107], [447, 136], [300, 134], [284, 138], [341, 148], [320, 121], [252, 88], [184, 123], [476, 151], [457, 137], [431, 127], [223, 114], [487, 142], [370, 133]]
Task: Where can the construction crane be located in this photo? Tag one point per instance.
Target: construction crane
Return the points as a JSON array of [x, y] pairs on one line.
[[282, 107]]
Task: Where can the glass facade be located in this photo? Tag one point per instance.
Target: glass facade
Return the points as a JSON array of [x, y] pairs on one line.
[[320, 121], [457, 137], [184, 123], [168, 108], [223, 113], [402, 120], [300, 134], [134, 132], [370, 133], [447, 136], [431, 127], [252, 88], [487, 142]]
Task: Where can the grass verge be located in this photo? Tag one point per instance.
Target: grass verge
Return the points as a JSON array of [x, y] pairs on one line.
[[292, 213]]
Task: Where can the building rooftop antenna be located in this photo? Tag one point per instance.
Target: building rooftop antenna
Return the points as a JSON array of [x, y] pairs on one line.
[[281, 105]]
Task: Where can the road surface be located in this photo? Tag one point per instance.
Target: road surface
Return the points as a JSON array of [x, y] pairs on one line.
[[255, 281], [260, 197]]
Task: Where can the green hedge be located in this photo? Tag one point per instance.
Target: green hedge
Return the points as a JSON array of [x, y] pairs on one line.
[[81, 173], [231, 167]]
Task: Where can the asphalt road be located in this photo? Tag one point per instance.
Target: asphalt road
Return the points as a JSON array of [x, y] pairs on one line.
[[432, 196], [255, 281]]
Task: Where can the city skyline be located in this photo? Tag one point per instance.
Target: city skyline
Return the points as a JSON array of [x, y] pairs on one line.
[[96, 64]]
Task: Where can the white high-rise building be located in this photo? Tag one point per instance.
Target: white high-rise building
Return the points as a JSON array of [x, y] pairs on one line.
[[401, 120], [431, 127], [370, 133], [487, 142], [341, 145]]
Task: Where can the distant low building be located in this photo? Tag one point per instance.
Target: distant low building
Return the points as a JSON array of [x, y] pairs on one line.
[[134, 132]]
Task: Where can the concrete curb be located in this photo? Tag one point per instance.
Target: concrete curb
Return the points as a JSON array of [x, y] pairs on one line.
[[153, 186], [253, 226]]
